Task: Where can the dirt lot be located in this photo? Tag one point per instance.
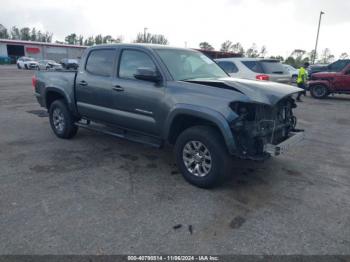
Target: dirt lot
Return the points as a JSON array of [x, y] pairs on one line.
[[96, 194]]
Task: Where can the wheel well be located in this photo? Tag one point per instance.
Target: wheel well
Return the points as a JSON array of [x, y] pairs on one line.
[[182, 122], [51, 96]]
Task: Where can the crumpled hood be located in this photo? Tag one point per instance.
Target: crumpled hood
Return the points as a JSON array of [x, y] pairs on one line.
[[259, 91]]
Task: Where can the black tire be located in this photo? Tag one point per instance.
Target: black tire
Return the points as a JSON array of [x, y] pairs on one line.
[[213, 142], [319, 91], [26, 67], [61, 120], [18, 66]]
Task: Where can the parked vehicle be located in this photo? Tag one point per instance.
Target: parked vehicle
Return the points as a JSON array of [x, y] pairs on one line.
[[157, 94], [27, 63], [293, 72], [255, 69], [336, 66], [49, 64], [324, 83], [69, 64]]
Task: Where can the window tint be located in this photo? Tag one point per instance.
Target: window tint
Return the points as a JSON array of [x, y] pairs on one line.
[[100, 62], [229, 67], [131, 60], [254, 66]]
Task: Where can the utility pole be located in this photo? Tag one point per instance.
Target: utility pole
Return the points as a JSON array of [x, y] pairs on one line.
[[318, 33], [144, 34]]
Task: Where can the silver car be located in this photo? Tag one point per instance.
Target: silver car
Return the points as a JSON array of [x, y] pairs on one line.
[[49, 64], [255, 69]]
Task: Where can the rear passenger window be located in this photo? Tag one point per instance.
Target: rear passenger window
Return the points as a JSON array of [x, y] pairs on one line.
[[100, 62], [131, 60], [228, 67], [254, 66]]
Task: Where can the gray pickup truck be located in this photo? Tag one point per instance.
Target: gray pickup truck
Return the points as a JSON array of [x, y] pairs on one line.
[[161, 95]]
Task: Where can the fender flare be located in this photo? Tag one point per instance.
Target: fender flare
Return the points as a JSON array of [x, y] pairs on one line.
[[63, 94], [206, 114]]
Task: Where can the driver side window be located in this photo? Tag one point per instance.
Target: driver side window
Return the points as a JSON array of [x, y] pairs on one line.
[[131, 60]]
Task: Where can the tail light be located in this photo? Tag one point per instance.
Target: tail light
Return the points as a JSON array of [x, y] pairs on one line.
[[262, 77], [34, 82]]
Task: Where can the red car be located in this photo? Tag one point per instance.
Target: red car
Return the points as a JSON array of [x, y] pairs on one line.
[[324, 83]]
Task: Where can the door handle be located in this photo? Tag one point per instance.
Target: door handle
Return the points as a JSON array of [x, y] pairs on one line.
[[118, 88], [83, 83]]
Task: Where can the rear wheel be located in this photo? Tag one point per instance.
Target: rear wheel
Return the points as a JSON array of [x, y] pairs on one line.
[[61, 120], [201, 156], [319, 91], [18, 66]]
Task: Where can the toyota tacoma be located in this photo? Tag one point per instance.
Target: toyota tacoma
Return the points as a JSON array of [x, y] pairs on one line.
[[161, 95]]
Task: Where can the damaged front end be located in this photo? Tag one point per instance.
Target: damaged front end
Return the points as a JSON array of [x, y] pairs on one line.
[[263, 130]]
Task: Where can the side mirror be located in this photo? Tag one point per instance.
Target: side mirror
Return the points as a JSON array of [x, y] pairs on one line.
[[147, 74]]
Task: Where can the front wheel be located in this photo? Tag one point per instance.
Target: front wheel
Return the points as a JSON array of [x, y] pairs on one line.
[[319, 91], [61, 120], [202, 156]]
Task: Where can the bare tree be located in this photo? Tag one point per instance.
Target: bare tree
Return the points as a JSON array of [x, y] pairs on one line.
[[326, 56], [238, 48], [344, 56], [226, 46], [252, 51]]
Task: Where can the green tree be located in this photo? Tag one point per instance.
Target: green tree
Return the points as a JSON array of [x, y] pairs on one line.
[[290, 61], [25, 33], [89, 41], [33, 34], [107, 39], [3, 32], [278, 57], [206, 46], [15, 33], [71, 39], [81, 40], [226, 46], [98, 39]]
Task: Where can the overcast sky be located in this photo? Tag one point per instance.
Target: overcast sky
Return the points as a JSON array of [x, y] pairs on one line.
[[280, 25]]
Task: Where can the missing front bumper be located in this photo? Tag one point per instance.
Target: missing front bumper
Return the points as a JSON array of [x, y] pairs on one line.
[[294, 139]]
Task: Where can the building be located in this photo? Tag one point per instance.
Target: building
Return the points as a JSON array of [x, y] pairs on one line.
[[38, 50]]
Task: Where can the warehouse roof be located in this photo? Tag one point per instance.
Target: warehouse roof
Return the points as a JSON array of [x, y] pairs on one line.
[[22, 42]]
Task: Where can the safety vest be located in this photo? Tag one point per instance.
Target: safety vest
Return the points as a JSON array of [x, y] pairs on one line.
[[302, 76]]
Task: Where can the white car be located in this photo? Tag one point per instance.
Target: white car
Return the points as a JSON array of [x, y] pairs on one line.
[[27, 63], [48, 65], [255, 69], [293, 72]]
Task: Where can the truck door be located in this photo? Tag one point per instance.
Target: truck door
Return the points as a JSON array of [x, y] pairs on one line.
[[342, 80], [94, 93], [138, 102]]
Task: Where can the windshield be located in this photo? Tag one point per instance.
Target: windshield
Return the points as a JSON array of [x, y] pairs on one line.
[[189, 64]]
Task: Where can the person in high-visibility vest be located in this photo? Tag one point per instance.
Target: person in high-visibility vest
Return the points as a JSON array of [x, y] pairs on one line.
[[302, 80]]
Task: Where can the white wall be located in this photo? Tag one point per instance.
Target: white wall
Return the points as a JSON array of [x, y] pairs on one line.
[[3, 49]]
